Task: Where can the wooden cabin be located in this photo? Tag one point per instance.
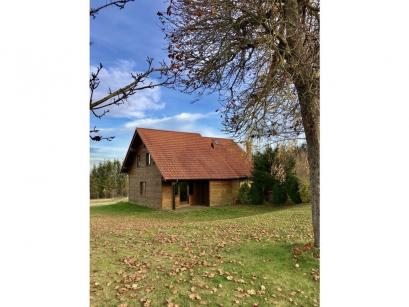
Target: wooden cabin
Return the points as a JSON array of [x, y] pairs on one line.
[[170, 169]]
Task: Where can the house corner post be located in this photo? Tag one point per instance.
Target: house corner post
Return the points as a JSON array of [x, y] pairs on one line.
[[173, 196]]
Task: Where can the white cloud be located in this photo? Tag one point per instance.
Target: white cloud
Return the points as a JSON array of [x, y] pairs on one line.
[[209, 131], [168, 121], [117, 76], [102, 152], [188, 122], [107, 149]]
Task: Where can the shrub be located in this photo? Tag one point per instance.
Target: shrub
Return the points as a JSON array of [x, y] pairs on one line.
[[293, 189], [256, 194], [270, 168], [279, 193], [305, 192], [243, 196]]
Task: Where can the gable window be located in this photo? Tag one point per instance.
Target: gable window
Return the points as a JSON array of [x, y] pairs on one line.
[[138, 160], [148, 159], [142, 188]]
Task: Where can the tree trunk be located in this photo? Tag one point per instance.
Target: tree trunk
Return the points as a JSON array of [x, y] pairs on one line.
[[313, 147], [310, 112], [306, 80]]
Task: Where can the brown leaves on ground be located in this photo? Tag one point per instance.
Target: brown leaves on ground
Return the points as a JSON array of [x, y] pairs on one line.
[[315, 274], [186, 261], [297, 251]]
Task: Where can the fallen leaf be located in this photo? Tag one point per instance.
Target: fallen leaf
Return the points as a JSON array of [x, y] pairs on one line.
[[251, 291]]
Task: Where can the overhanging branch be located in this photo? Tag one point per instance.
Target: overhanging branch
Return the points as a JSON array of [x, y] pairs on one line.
[[118, 3]]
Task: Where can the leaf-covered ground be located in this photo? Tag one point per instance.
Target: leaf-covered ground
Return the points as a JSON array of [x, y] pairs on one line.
[[225, 256]]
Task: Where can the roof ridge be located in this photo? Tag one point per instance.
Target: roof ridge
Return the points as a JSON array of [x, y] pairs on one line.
[[168, 130], [184, 132], [218, 138]]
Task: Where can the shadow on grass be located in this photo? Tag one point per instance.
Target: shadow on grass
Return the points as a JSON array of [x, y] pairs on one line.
[[120, 208], [188, 214]]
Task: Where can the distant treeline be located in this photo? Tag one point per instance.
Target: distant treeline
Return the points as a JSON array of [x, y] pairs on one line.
[[106, 180]]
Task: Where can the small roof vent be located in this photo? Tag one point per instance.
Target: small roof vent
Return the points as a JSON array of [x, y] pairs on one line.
[[214, 143]]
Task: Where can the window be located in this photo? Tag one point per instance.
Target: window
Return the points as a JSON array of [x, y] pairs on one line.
[[148, 159], [142, 188], [138, 161]]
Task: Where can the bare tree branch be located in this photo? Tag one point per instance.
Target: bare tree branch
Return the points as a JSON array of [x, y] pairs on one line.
[[98, 138], [142, 81], [118, 3], [152, 77]]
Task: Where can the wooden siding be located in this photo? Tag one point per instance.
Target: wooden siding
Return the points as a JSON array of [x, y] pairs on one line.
[[220, 192], [166, 195], [223, 192], [150, 175], [235, 186]]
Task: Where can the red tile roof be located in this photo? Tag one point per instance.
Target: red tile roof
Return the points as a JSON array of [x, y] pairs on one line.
[[184, 155]]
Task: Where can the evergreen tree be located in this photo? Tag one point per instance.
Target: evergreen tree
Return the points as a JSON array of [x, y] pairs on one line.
[[106, 180], [274, 176]]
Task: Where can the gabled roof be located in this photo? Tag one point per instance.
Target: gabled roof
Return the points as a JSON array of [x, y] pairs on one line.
[[184, 155]]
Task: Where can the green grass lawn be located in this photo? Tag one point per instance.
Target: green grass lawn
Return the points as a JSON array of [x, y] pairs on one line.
[[224, 256]]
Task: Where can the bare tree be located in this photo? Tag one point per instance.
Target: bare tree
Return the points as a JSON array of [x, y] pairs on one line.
[[262, 56], [152, 77]]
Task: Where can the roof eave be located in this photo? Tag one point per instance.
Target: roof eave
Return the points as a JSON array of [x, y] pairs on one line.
[[202, 178], [125, 169]]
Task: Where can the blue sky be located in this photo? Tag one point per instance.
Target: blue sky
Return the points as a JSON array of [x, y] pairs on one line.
[[121, 41]]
